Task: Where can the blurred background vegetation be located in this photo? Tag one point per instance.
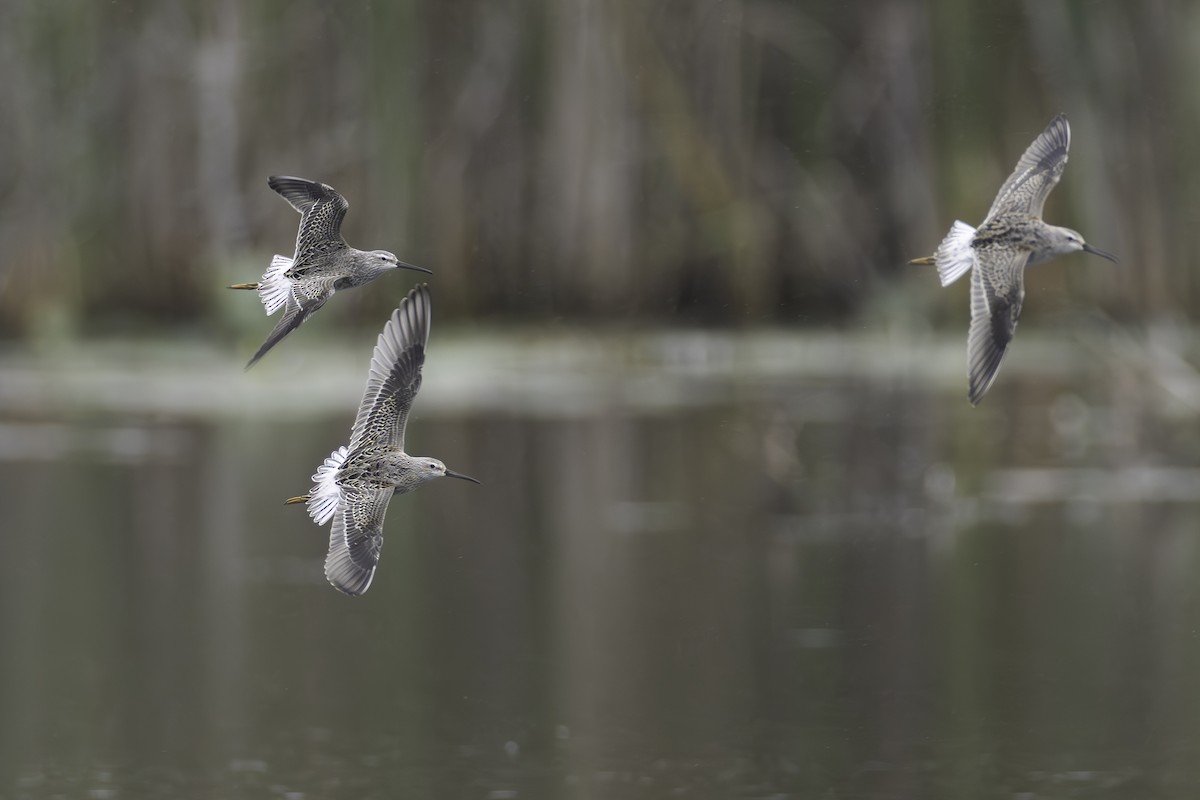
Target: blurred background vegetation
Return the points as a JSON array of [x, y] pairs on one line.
[[734, 162], [739, 534]]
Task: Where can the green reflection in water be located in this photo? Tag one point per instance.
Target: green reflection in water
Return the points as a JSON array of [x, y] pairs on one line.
[[816, 594]]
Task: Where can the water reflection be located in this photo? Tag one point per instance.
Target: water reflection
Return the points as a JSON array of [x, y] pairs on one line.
[[801, 589]]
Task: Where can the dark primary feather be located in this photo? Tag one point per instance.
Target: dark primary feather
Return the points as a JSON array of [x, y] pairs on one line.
[[1037, 172], [293, 316], [997, 291], [321, 209], [395, 376], [306, 299]]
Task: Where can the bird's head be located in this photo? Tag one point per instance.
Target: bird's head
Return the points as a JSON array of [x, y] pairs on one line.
[[429, 468], [1069, 241], [383, 260]]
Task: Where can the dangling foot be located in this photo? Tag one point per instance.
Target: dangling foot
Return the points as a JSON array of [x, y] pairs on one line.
[[244, 286], [293, 500]]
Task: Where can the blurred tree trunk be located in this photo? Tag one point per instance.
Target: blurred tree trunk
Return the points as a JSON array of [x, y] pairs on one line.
[[715, 160]]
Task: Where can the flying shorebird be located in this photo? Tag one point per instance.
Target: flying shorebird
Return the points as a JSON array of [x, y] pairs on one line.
[[1011, 237], [322, 264], [356, 482]]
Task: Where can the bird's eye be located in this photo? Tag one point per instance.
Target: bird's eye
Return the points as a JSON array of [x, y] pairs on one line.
[[433, 466]]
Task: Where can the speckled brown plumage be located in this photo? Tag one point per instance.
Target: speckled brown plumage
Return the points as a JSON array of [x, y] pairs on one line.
[[354, 485], [1011, 237], [322, 262]]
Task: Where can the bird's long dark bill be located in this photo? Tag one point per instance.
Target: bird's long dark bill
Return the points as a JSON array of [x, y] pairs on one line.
[[460, 476], [1087, 248], [414, 267]]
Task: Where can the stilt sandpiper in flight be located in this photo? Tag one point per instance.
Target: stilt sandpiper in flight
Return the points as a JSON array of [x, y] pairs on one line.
[[1011, 237], [355, 484], [322, 264]]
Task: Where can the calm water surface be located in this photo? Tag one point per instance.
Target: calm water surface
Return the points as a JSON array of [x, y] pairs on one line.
[[799, 588]]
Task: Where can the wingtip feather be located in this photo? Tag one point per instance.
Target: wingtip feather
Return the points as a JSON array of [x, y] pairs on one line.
[[346, 576]]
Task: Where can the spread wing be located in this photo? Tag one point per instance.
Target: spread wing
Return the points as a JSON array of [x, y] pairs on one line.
[[356, 538], [1037, 172], [321, 209], [395, 376], [997, 289], [306, 296]]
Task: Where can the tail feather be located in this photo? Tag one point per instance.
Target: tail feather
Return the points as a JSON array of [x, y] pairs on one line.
[[954, 255], [275, 288], [325, 496]]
